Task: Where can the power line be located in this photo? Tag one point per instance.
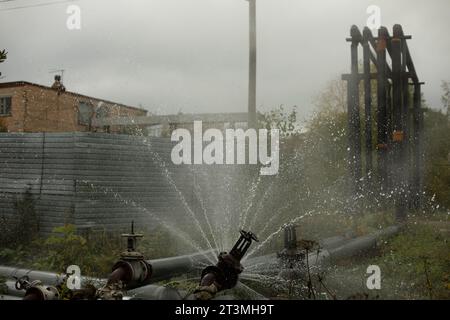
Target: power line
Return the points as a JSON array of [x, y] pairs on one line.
[[34, 5]]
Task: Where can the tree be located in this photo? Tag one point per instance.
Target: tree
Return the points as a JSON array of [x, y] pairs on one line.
[[281, 119], [326, 139], [3, 55], [333, 98], [437, 150], [446, 96]]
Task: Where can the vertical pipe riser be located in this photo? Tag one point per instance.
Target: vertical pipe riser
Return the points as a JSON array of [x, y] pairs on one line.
[[398, 137], [382, 130], [353, 113], [367, 102]]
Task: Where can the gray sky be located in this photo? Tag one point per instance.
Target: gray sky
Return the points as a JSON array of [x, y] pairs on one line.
[[192, 55]]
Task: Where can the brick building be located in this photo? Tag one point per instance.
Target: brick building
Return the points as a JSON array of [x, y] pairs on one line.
[[29, 107]]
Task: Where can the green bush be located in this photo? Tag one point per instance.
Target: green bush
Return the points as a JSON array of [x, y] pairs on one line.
[[23, 227], [64, 247], [417, 262], [95, 253], [437, 150]]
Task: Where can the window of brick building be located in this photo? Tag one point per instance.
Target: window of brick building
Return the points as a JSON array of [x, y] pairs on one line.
[[85, 111], [5, 106], [102, 112]]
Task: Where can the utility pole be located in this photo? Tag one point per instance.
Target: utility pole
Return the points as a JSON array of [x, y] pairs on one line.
[[252, 66]]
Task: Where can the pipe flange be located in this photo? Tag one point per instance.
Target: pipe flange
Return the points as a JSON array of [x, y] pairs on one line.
[[137, 272], [42, 293]]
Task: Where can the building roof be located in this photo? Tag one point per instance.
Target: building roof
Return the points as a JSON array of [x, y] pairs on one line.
[[26, 83]]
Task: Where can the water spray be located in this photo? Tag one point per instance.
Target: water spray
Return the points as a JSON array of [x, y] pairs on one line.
[[224, 275]]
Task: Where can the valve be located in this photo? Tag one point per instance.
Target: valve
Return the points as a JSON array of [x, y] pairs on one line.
[[36, 290], [290, 237], [129, 272], [224, 275], [131, 252], [294, 251], [242, 245], [290, 255]]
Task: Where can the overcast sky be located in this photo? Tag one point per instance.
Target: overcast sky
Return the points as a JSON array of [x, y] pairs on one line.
[[192, 55]]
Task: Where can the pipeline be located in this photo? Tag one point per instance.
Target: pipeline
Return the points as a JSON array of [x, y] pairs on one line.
[[48, 278], [337, 249], [9, 298], [153, 292], [38, 285], [271, 261], [222, 276], [163, 269], [133, 271], [361, 244], [167, 268]]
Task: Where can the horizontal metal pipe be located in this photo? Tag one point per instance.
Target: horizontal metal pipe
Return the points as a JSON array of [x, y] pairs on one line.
[[338, 248], [351, 248], [150, 292], [270, 264], [153, 292], [334, 242], [325, 245], [361, 244], [163, 269], [48, 278], [7, 297], [12, 291]]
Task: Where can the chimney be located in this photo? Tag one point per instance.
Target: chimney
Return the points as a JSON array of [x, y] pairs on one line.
[[57, 85]]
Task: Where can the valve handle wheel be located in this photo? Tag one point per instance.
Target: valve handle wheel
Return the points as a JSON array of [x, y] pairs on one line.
[[248, 235], [21, 282]]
